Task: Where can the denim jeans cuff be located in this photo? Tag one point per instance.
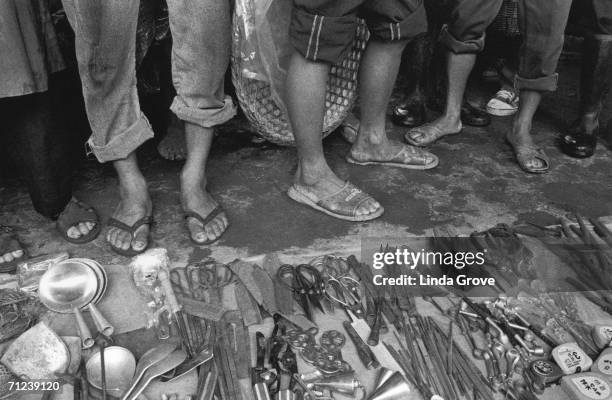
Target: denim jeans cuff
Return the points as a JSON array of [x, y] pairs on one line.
[[459, 47], [543, 84], [204, 117], [120, 146]]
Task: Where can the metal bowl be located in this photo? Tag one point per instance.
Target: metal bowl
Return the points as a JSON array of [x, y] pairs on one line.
[[119, 365], [67, 285], [100, 272]]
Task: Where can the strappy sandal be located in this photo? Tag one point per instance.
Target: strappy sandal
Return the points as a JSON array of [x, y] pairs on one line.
[[525, 153], [342, 204], [130, 252], [9, 243], [429, 134], [204, 221], [75, 213], [408, 157]]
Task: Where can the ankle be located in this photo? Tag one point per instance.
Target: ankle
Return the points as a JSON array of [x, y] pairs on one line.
[[370, 136], [310, 174]]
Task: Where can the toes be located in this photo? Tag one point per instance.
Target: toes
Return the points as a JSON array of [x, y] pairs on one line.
[[8, 257], [210, 233], [112, 236], [17, 254], [83, 228], [124, 240], [141, 239], [90, 225], [196, 231], [73, 232]]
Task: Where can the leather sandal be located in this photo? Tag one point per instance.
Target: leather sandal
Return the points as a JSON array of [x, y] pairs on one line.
[[342, 204]]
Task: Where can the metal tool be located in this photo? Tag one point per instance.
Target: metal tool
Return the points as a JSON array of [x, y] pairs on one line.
[[167, 364], [307, 285], [345, 292], [365, 354], [175, 310], [148, 359], [189, 365], [374, 336], [260, 386]]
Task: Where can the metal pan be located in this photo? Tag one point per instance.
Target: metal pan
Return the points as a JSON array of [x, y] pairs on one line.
[[72, 285]]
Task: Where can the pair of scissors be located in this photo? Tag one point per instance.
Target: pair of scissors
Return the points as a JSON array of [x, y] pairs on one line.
[[307, 285], [332, 266], [345, 291], [207, 278]]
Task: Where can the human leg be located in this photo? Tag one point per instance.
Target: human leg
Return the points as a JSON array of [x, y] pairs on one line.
[[105, 47], [464, 38]]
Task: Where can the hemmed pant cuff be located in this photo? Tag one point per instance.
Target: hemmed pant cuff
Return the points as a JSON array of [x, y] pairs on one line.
[[543, 84], [601, 37], [121, 146], [204, 117], [459, 47]]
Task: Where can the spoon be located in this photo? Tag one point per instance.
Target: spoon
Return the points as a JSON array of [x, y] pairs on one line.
[[169, 363], [148, 359]]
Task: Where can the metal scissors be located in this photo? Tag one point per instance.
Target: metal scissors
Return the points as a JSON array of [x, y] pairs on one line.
[[346, 292], [207, 278], [331, 266], [307, 285]]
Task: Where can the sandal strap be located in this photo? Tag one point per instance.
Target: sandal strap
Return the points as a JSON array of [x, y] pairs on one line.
[[204, 220], [349, 195], [148, 220], [76, 212], [410, 153]]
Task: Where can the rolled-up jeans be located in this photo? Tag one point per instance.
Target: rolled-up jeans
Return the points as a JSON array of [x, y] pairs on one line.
[[105, 46], [542, 25]]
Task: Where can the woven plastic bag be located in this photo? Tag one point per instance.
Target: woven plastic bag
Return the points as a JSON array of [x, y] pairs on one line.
[[260, 54]]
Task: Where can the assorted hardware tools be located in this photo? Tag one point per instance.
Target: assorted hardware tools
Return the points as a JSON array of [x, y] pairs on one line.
[[264, 332]]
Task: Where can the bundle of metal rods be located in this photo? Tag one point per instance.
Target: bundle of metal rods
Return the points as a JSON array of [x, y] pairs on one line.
[[433, 362]]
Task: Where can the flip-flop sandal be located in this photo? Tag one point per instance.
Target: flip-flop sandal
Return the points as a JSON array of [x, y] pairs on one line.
[[525, 153], [204, 221], [130, 252], [75, 213], [408, 157], [8, 244], [342, 204], [428, 135]]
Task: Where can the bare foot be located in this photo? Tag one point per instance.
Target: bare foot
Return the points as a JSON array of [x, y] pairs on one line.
[[323, 182], [134, 205], [173, 147], [195, 198], [428, 133]]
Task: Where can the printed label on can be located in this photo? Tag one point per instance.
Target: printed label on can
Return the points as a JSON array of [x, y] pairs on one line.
[[592, 387]]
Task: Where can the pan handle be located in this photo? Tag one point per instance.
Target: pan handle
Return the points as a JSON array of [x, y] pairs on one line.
[[87, 340], [102, 324]]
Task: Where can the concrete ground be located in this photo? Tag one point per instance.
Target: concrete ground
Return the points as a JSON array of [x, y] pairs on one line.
[[477, 185]]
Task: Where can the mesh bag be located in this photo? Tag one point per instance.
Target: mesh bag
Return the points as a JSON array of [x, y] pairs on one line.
[[17, 312], [506, 23], [6, 377], [260, 51]]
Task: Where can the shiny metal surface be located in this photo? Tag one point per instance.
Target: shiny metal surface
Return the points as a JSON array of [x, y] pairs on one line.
[[119, 365], [67, 285]]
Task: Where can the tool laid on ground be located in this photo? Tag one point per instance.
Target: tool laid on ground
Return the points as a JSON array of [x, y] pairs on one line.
[[172, 361]]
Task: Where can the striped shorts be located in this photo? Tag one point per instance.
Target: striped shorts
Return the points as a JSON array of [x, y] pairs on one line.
[[324, 30]]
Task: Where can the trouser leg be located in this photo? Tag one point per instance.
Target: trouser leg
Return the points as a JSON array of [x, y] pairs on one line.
[[543, 28], [105, 48], [201, 33]]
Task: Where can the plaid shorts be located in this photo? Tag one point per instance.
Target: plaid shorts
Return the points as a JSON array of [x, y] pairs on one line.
[[324, 30]]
